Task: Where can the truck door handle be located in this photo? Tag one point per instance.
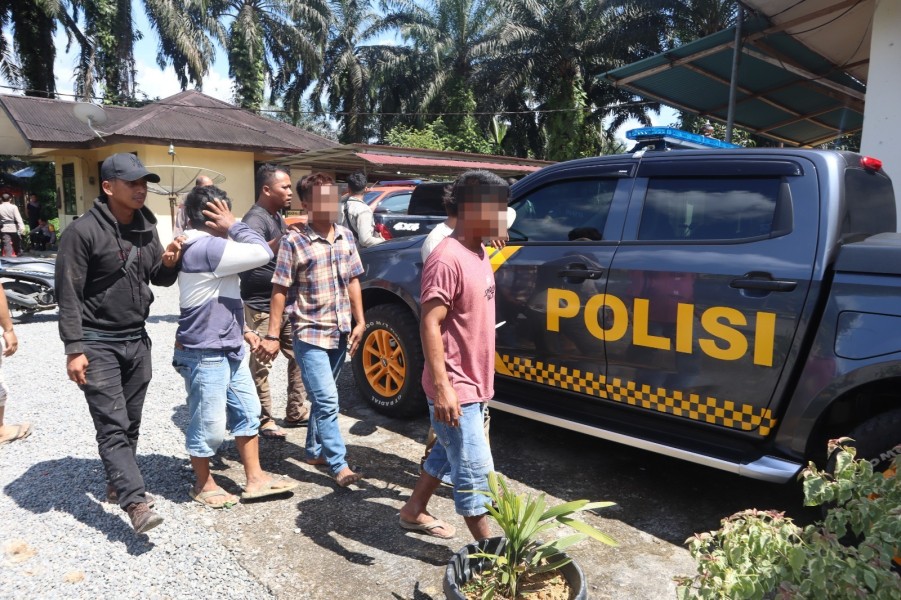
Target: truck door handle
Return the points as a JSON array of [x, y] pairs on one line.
[[580, 271], [763, 282]]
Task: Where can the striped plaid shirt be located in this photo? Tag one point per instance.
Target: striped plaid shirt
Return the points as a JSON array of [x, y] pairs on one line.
[[316, 274]]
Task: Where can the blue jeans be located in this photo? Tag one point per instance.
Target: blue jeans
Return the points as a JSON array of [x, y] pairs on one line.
[[462, 454], [221, 395], [319, 369]]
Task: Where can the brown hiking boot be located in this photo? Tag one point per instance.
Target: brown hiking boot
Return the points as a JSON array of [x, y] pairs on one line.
[[112, 497], [142, 518]]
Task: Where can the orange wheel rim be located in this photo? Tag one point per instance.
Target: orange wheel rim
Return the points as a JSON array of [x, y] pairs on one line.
[[384, 363]]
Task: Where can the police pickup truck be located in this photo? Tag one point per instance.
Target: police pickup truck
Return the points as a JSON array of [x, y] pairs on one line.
[[734, 308]]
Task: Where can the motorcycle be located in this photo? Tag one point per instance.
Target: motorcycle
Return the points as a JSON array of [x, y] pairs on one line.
[[28, 283]]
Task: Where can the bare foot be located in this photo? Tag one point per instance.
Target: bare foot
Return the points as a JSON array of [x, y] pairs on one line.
[[315, 461], [11, 433], [427, 523], [345, 477], [269, 485], [214, 498]]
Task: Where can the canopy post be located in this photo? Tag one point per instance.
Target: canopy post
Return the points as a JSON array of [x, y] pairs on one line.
[[733, 82]]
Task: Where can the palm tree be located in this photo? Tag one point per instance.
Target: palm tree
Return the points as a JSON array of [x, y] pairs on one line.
[[449, 41], [270, 41], [32, 30], [9, 66], [345, 77], [560, 49]]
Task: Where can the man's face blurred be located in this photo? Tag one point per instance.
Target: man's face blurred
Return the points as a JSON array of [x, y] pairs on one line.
[[482, 212], [323, 204], [279, 190]]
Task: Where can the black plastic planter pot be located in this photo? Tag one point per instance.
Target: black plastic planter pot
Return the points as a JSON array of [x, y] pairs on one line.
[[462, 567]]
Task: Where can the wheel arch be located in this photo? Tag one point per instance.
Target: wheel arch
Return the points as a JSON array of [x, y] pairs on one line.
[[857, 403], [376, 295]]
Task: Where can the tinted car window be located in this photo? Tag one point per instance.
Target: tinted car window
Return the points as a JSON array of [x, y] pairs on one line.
[[397, 204], [686, 209], [370, 196], [553, 212]]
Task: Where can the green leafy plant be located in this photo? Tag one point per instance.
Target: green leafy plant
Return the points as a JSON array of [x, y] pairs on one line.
[[523, 518], [848, 554]]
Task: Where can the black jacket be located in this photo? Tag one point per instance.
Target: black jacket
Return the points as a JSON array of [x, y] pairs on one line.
[[97, 297]]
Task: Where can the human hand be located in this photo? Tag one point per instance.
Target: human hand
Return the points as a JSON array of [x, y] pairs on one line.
[[220, 217], [77, 368], [173, 252], [447, 406], [498, 243], [266, 350], [356, 336], [253, 339], [12, 342]]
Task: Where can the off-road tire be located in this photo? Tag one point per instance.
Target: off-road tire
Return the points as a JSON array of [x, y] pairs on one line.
[[877, 439], [395, 387]]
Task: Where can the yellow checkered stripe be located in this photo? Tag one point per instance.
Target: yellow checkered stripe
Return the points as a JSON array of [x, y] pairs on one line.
[[674, 402]]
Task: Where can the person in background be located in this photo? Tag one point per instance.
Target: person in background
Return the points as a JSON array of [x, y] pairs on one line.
[[357, 215], [42, 235], [181, 220], [458, 291], [106, 261], [33, 208], [316, 283], [8, 346], [11, 226], [209, 346], [274, 194]]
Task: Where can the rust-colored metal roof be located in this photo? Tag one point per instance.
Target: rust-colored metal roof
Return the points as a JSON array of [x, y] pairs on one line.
[[189, 118], [391, 161]]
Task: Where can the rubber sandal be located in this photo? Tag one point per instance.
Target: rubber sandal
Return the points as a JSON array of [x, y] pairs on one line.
[[272, 433], [22, 432], [204, 497], [429, 528], [277, 486]]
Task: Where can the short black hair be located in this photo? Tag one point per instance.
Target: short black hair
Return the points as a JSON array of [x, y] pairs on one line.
[[306, 184], [454, 193], [356, 182], [197, 200], [265, 175]]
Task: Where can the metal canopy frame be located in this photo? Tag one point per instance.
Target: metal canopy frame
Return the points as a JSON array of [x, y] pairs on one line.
[[782, 89]]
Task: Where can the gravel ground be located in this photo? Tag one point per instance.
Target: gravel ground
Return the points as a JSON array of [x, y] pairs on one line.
[[57, 540], [57, 537]]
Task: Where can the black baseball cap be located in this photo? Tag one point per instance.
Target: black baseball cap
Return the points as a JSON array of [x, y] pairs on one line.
[[126, 167]]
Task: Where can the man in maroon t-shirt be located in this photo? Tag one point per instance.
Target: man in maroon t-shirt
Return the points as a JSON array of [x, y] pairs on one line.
[[457, 330]]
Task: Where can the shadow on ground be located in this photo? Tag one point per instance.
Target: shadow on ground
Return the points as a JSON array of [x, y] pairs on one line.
[[79, 487]]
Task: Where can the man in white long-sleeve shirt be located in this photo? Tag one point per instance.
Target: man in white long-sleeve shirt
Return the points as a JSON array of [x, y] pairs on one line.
[[356, 214], [209, 345], [11, 226]]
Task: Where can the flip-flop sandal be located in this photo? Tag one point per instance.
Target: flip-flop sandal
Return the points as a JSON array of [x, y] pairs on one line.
[[22, 432], [277, 486], [348, 479], [204, 497], [272, 433], [429, 528]]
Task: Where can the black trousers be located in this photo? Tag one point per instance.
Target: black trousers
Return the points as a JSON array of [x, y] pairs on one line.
[[117, 379]]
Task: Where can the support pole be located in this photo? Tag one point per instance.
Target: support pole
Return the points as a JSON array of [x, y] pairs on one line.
[[733, 83]]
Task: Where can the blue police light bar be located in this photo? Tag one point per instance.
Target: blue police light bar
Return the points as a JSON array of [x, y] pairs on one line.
[[676, 138]]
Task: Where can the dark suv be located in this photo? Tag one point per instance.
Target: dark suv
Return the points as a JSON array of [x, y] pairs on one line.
[[734, 308], [425, 210]]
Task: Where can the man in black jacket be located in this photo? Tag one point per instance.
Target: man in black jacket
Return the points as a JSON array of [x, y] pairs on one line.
[[106, 260]]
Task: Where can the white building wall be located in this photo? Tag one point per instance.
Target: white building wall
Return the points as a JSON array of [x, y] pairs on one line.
[[881, 136]]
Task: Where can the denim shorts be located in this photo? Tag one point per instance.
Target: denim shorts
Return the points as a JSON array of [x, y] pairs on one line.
[[463, 457], [221, 396]]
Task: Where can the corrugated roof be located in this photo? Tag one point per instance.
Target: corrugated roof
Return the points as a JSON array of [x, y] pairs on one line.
[[190, 118], [392, 161], [785, 90]]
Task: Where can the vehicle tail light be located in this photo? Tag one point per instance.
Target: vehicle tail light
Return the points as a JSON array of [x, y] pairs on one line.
[[382, 231], [870, 163]]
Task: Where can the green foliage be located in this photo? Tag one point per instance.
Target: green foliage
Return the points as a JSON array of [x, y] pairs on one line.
[[763, 554], [523, 518], [431, 137]]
